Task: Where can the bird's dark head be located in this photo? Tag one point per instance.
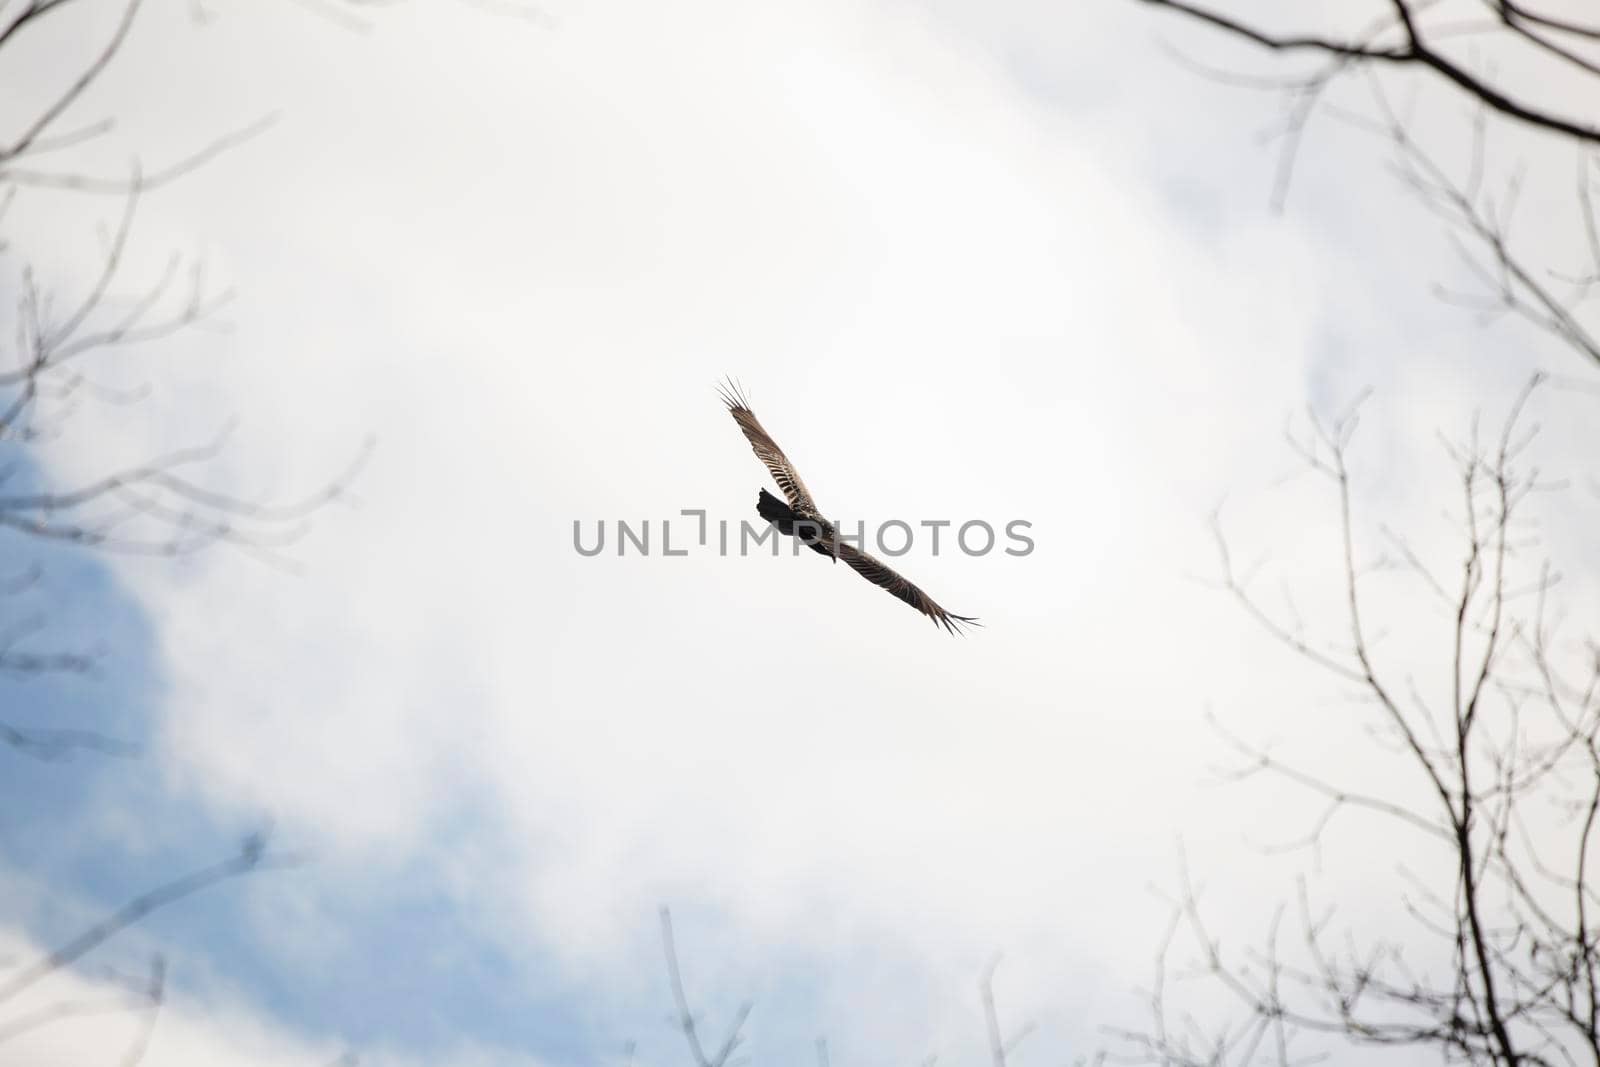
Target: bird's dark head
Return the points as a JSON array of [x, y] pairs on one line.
[[818, 534]]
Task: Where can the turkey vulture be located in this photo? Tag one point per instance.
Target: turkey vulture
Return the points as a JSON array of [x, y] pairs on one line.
[[801, 518]]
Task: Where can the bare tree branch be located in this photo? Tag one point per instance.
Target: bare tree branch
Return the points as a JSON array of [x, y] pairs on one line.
[[685, 1017], [251, 856]]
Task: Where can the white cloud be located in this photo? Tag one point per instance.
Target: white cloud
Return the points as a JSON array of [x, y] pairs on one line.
[[522, 258]]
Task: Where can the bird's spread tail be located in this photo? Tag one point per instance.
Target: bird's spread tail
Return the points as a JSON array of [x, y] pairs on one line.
[[774, 510], [790, 522]]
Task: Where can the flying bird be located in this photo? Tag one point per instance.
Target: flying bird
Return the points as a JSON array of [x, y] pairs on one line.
[[801, 518]]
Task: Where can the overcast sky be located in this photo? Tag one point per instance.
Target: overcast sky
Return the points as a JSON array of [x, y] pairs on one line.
[[970, 261]]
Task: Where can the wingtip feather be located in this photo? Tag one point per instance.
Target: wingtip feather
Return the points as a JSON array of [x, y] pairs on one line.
[[732, 393]]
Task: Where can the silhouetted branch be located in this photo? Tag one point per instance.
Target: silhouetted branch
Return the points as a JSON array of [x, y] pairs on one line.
[[59, 744], [155, 997], [1516, 928], [685, 1017], [1410, 46], [1000, 1047], [70, 349], [90, 73], [1479, 217], [251, 856], [155, 179]]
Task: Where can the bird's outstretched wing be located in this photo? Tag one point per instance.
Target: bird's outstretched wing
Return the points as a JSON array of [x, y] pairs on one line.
[[882, 575], [767, 451]]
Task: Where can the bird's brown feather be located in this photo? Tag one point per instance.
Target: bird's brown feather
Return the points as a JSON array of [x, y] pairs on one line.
[[768, 452], [803, 508], [887, 578]]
